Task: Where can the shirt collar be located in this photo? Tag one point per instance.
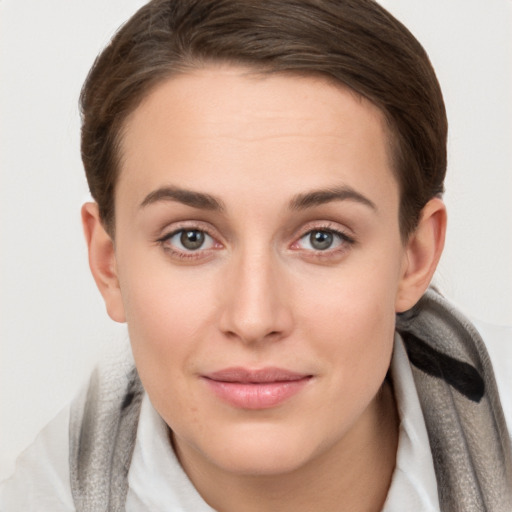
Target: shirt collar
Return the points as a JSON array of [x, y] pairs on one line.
[[414, 485]]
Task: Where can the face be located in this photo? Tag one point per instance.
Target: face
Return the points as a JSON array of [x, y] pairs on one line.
[[259, 261]]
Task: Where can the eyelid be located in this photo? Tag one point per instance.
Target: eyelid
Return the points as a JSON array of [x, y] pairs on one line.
[[172, 228], [170, 236], [183, 254], [347, 239], [326, 225]]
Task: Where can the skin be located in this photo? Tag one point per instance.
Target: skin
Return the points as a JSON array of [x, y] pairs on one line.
[[260, 292]]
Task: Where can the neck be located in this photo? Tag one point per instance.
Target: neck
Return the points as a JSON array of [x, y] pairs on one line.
[[354, 475]]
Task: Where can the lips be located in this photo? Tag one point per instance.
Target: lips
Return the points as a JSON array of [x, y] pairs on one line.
[[256, 389]]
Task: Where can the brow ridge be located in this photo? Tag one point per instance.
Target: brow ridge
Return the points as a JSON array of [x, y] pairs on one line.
[[323, 196], [191, 198]]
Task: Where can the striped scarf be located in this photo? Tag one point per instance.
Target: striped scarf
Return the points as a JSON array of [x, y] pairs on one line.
[[456, 387]]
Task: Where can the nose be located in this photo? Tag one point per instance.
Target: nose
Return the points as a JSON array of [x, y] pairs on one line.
[[255, 304]]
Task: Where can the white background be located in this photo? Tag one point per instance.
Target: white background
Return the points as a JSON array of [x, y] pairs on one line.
[[52, 322]]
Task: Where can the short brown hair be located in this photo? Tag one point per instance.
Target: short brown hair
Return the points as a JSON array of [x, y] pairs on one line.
[[353, 42]]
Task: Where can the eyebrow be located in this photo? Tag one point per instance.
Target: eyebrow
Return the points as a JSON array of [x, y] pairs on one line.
[[319, 197], [187, 197], [299, 202]]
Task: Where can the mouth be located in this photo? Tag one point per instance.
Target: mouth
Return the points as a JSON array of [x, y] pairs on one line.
[[256, 389]]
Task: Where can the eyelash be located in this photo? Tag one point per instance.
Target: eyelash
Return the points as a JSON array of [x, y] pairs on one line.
[[345, 241], [184, 254]]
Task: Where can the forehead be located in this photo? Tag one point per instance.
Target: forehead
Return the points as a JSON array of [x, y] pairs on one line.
[[219, 127]]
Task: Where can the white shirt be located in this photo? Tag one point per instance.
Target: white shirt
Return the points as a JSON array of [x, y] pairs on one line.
[[158, 483]]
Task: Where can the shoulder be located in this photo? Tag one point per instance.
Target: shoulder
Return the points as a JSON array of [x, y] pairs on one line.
[[89, 440], [43, 466], [498, 340]]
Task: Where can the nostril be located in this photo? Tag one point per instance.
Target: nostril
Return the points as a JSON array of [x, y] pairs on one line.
[[253, 337]]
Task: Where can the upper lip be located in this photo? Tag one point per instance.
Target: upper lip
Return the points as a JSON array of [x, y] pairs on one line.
[[257, 376]]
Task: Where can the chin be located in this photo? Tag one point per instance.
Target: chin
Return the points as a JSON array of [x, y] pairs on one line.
[[260, 450], [257, 460]]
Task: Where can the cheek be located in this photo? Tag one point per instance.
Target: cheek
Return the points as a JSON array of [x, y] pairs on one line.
[[356, 339], [358, 296], [166, 315], [165, 307], [354, 323], [358, 335]]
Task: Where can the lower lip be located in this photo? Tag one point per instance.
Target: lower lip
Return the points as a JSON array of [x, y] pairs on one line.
[[256, 395]]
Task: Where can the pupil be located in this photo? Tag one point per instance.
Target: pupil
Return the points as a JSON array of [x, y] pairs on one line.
[[321, 240], [192, 240]]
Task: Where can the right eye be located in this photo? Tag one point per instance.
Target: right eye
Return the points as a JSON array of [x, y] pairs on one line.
[[188, 240]]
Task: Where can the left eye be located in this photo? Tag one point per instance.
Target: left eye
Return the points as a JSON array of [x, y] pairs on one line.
[[190, 240], [322, 240]]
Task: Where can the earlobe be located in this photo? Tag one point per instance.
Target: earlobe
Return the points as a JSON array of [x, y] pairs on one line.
[[102, 261], [422, 254]]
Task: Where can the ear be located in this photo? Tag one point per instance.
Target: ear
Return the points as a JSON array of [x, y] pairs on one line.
[[422, 253], [102, 261]]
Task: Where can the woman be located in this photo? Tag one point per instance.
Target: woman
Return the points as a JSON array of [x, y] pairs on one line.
[[267, 182]]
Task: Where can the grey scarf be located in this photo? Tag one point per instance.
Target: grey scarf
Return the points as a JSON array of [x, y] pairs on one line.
[[456, 386]]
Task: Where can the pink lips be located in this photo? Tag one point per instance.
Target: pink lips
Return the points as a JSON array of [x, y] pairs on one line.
[[255, 389]]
